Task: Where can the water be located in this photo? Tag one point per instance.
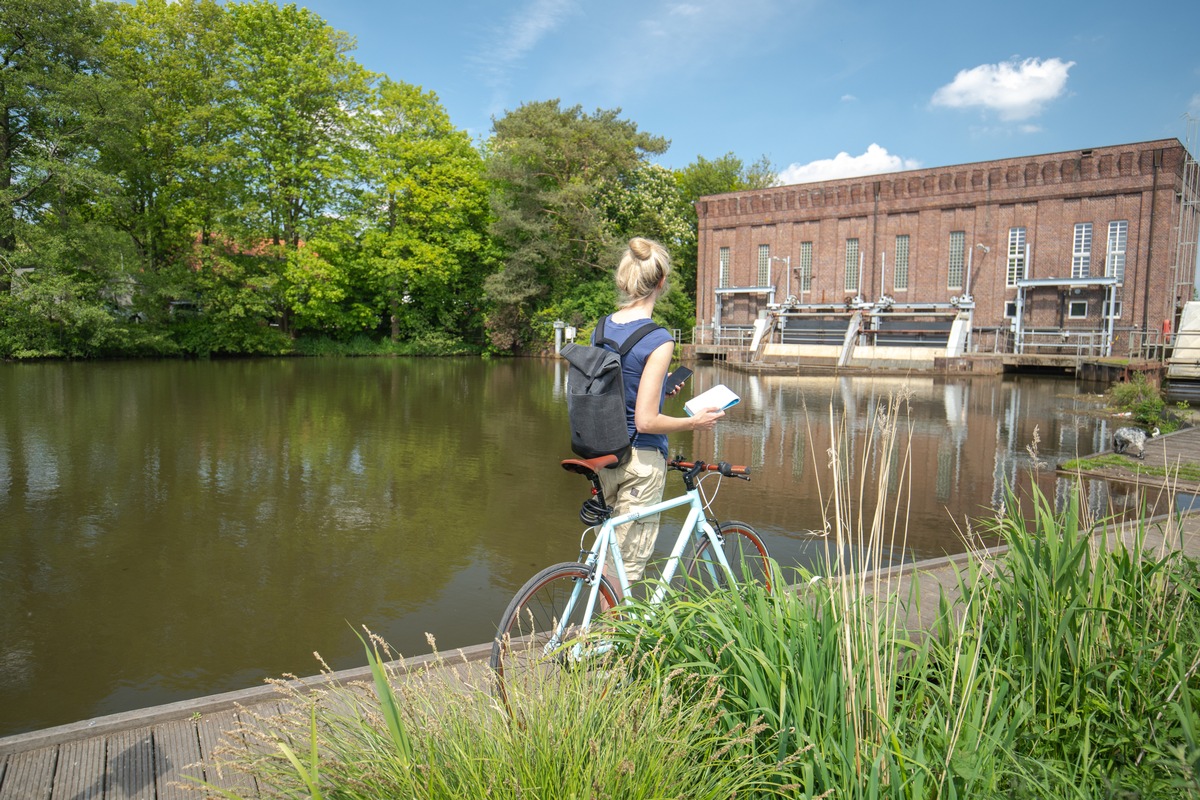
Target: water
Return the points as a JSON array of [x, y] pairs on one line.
[[173, 529]]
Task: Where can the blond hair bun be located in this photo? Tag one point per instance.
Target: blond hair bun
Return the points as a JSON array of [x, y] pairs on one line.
[[643, 271]]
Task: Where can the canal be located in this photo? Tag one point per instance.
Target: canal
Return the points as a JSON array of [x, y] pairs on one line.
[[175, 529]]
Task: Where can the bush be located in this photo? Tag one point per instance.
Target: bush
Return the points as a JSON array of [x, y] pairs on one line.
[[1143, 401]]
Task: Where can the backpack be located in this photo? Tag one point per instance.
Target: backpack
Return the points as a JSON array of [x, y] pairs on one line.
[[596, 394]]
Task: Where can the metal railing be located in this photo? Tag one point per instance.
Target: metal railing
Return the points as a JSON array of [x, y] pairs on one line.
[[1128, 342], [731, 337], [991, 341], [1061, 342]]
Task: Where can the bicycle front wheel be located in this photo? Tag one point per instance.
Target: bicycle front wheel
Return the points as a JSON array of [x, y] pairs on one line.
[[541, 624], [745, 552]]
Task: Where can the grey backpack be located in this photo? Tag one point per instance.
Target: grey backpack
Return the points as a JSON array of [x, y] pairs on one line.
[[596, 394]]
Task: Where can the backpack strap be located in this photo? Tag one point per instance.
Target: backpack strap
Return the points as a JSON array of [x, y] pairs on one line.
[[648, 327]]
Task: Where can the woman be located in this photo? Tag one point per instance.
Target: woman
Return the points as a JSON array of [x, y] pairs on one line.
[[641, 280]]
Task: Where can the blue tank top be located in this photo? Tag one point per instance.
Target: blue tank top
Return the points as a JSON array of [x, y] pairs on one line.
[[632, 367]]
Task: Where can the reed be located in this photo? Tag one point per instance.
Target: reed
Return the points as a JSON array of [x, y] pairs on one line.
[[434, 734], [1066, 668]]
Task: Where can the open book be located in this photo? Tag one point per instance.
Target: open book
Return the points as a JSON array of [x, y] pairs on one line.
[[719, 396]]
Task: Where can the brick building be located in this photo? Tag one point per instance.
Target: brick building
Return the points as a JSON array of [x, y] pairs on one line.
[[1098, 242]]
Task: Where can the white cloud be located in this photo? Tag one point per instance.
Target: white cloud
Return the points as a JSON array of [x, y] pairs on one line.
[[1194, 105], [875, 161], [849, 98], [1017, 90], [522, 33]]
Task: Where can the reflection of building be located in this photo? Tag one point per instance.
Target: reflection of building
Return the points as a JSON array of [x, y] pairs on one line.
[[1060, 253], [962, 444]]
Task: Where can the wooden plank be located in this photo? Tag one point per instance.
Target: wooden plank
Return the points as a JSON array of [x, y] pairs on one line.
[[81, 768], [129, 773], [29, 775], [217, 730], [177, 757]]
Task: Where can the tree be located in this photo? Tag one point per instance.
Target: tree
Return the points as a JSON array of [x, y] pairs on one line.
[[171, 58], [704, 177], [297, 96], [650, 203], [549, 167], [62, 269], [426, 248], [52, 104]]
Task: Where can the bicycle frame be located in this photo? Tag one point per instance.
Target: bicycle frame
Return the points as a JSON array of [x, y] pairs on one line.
[[695, 525]]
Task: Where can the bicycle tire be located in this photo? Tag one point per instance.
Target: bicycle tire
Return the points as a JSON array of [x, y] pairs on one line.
[[518, 656], [745, 552]]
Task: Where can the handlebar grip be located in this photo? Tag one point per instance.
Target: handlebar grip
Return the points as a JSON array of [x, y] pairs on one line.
[[725, 468]]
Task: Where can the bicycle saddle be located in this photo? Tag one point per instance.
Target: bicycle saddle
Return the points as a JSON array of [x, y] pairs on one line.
[[589, 466]]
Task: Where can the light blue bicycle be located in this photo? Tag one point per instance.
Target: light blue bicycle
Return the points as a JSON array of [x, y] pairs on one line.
[[545, 623]]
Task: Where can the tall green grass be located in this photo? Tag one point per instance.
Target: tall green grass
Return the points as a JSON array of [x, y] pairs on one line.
[[435, 734], [1065, 668]]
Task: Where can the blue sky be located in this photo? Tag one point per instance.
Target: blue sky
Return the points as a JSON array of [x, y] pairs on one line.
[[823, 89]]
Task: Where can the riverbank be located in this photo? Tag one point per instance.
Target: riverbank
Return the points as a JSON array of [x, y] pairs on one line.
[[150, 749]]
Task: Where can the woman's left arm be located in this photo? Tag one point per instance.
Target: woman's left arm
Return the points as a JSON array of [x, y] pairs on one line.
[[646, 414]]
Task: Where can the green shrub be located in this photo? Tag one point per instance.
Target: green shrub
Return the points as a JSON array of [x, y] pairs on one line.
[[1143, 401]]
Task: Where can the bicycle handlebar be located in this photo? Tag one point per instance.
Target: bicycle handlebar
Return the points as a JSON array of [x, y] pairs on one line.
[[726, 469]]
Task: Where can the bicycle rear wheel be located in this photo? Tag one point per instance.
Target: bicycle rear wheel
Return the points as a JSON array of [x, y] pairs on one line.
[[745, 552], [540, 624]]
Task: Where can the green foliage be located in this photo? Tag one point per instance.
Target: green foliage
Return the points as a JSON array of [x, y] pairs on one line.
[[1143, 400], [142, 134], [1098, 641], [432, 343], [174, 150], [550, 168], [54, 93], [296, 102], [597, 734], [425, 210], [319, 294], [236, 309], [1066, 667], [1071, 670]]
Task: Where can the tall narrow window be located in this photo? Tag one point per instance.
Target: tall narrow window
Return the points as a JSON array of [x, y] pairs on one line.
[[954, 276], [1081, 252], [764, 265], [851, 284], [806, 266], [1016, 256], [901, 278], [1118, 235], [723, 257]]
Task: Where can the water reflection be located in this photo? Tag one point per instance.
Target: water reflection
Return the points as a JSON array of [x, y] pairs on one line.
[[169, 530]]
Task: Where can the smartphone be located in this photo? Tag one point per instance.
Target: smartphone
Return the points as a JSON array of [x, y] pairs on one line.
[[676, 378]]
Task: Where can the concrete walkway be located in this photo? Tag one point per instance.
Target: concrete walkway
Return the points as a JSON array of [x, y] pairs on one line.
[[150, 753]]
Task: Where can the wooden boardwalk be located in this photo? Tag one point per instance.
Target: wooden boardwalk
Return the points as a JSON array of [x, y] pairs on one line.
[[152, 753]]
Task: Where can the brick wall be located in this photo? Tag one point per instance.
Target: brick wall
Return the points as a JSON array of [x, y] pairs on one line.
[[1047, 195]]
